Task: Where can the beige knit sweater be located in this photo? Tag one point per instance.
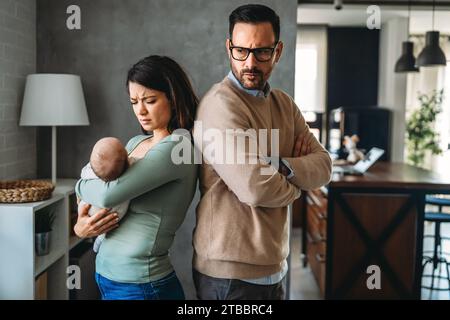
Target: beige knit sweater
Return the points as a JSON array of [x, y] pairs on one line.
[[242, 226]]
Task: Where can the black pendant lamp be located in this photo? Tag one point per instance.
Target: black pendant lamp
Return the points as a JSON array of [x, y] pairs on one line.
[[407, 61], [432, 54]]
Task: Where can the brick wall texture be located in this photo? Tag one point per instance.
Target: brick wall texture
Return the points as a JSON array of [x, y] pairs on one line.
[[17, 60]]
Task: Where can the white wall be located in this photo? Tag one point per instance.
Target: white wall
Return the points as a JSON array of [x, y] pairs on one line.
[[391, 85]]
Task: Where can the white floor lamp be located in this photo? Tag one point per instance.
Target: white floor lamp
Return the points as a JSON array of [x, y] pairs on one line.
[[53, 100]]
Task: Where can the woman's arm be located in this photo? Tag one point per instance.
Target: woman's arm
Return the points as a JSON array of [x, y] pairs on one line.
[[101, 222], [152, 171]]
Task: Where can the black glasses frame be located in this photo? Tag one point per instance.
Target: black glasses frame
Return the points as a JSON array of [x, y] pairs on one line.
[[254, 50]]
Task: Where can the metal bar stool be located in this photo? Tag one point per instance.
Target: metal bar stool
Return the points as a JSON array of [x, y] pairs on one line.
[[438, 257]]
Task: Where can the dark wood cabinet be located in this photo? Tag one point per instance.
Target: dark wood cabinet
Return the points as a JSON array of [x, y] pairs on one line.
[[370, 220], [316, 235]]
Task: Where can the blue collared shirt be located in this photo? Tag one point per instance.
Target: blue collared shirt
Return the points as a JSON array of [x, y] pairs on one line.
[[254, 92], [276, 277]]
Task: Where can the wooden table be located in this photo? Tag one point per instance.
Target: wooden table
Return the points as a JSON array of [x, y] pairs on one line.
[[374, 220]]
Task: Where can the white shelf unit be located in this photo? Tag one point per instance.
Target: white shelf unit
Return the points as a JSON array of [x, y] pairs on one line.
[[20, 266], [74, 241]]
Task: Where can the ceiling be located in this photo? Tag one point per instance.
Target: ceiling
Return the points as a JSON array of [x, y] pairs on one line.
[[356, 15]]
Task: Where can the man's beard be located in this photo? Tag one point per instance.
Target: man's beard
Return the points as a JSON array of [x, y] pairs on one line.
[[257, 83]]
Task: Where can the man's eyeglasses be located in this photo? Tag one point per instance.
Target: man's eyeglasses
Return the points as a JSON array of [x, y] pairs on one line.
[[261, 54]]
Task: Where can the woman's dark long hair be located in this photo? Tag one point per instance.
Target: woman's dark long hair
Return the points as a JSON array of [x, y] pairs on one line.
[[164, 74]]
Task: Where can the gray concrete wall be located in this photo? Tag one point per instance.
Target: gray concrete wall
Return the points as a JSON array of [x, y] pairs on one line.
[[17, 60], [115, 34]]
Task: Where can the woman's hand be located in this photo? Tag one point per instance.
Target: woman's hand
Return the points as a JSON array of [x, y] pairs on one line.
[[101, 222]]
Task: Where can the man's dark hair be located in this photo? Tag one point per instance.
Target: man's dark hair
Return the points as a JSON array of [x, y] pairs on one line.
[[255, 13]]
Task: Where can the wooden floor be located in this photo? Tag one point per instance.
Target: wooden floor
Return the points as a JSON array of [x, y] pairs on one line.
[[304, 286]]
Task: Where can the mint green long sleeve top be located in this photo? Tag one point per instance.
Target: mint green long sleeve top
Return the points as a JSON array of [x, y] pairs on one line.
[[160, 192]]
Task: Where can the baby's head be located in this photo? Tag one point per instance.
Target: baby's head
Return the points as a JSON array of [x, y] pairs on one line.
[[109, 159]]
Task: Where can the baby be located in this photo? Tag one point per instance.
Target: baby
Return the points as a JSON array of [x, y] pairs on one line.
[[109, 160]]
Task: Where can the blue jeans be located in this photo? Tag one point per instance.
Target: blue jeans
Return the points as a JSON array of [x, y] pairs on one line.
[[167, 288]]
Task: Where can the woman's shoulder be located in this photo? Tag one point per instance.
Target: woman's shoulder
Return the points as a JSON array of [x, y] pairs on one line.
[[174, 140], [177, 147]]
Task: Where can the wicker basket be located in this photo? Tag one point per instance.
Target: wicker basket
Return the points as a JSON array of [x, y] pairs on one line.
[[19, 191]]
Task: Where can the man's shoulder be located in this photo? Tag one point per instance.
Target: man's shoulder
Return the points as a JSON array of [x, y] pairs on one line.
[[220, 90], [280, 94], [283, 100], [222, 97]]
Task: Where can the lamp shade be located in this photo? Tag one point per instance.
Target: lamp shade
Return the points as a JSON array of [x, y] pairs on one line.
[[407, 61], [53, 100], [432, 54]]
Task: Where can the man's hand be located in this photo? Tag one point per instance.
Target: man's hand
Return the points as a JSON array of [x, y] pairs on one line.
[[101, 222], [301, 147]]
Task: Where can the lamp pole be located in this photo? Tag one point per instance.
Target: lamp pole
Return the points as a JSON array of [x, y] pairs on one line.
[[54, 155]]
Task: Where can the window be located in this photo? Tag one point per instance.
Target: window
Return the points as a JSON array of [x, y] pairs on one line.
[[310, 68], [310, 75], [443, 125], [306, 86], [427, 80]]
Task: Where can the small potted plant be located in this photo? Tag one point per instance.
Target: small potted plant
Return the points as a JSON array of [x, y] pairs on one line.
[[43, 226]]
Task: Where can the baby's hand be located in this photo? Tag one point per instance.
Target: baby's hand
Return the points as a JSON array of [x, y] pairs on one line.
[[78, 200]]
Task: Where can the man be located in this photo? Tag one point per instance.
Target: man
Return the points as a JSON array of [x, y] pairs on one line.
[[241, 236]]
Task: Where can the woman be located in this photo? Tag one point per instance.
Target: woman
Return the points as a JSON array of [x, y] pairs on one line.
[[133, 261]]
